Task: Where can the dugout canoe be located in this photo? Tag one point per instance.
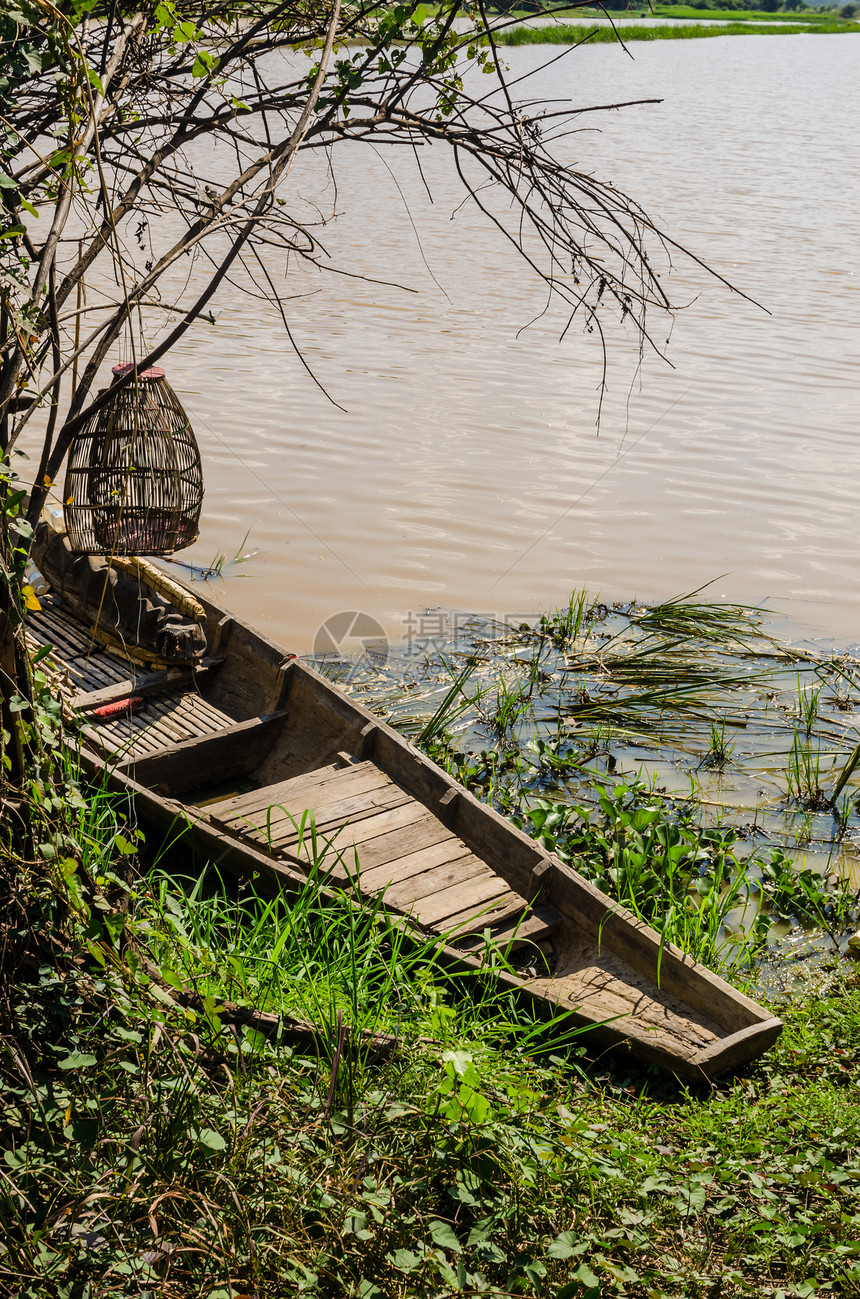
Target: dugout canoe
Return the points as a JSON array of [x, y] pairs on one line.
[[244, 746]]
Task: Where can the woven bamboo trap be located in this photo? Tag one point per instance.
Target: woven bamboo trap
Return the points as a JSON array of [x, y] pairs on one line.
[[134, 482]]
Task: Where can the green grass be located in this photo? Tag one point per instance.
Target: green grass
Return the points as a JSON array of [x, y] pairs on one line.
[[807, 16], [569, 34], [150, 1148]]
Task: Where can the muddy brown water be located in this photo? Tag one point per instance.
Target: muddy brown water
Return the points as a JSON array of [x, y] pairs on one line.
[[466, 470]]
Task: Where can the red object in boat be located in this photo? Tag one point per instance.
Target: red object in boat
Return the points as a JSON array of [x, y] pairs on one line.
[[122, 708]]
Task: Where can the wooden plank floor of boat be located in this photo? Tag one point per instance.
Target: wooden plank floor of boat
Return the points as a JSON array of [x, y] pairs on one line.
[[368, 831], [86, 665]]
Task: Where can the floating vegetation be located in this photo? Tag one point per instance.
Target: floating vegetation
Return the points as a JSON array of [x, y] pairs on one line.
[[696, 768], [220, 566]]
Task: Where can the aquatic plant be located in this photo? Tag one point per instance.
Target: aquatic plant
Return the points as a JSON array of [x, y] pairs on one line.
[[589, 696]]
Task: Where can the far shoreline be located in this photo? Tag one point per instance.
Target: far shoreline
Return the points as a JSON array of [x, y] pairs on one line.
[[611, 32]]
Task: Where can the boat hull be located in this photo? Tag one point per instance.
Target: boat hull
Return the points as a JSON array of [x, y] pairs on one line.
[[275, 773]]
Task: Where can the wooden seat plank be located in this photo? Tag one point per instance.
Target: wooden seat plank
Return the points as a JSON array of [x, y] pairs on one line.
[[71, 641], [309, 783], [482, 892], [507, 911], [413, 863], [372, 827], [342, 800], [166, 720], [424, 832], [525, 928], [440, 878], [280, 821]]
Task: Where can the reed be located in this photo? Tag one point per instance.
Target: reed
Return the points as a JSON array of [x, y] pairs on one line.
[[720, 748]]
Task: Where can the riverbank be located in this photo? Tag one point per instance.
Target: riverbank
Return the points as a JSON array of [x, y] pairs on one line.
[[657, 11]]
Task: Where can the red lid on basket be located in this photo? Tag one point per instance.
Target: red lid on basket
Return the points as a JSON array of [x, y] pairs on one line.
[[154, 372]]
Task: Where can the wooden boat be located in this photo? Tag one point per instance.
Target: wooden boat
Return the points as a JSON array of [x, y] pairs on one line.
[[242, 747]]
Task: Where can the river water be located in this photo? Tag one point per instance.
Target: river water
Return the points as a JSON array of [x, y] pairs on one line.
[[466, 470]]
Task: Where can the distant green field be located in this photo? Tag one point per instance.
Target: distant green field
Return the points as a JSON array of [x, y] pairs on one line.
[[570, 34], [738, 15]]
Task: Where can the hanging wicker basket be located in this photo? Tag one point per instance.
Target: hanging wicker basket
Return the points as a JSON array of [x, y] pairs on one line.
[[134, 482]]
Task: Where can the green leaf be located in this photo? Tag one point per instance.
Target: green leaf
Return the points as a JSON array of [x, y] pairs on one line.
[[482, 1230], [83, 1132], [209, 1139], [566, 1246], [160, 995], [488, 1252], [77, 1060], [443, 1235], [124, 846], [95, 80], [460, 1062], [128, 1034], [367, 1290], [68, 867], [584, 1274], [691, 1198], [114, 922], [203, 64], [210, 1014], [405, 1261]]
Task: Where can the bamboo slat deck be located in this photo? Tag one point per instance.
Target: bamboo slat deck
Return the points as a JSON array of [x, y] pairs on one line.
[[89, 667]]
